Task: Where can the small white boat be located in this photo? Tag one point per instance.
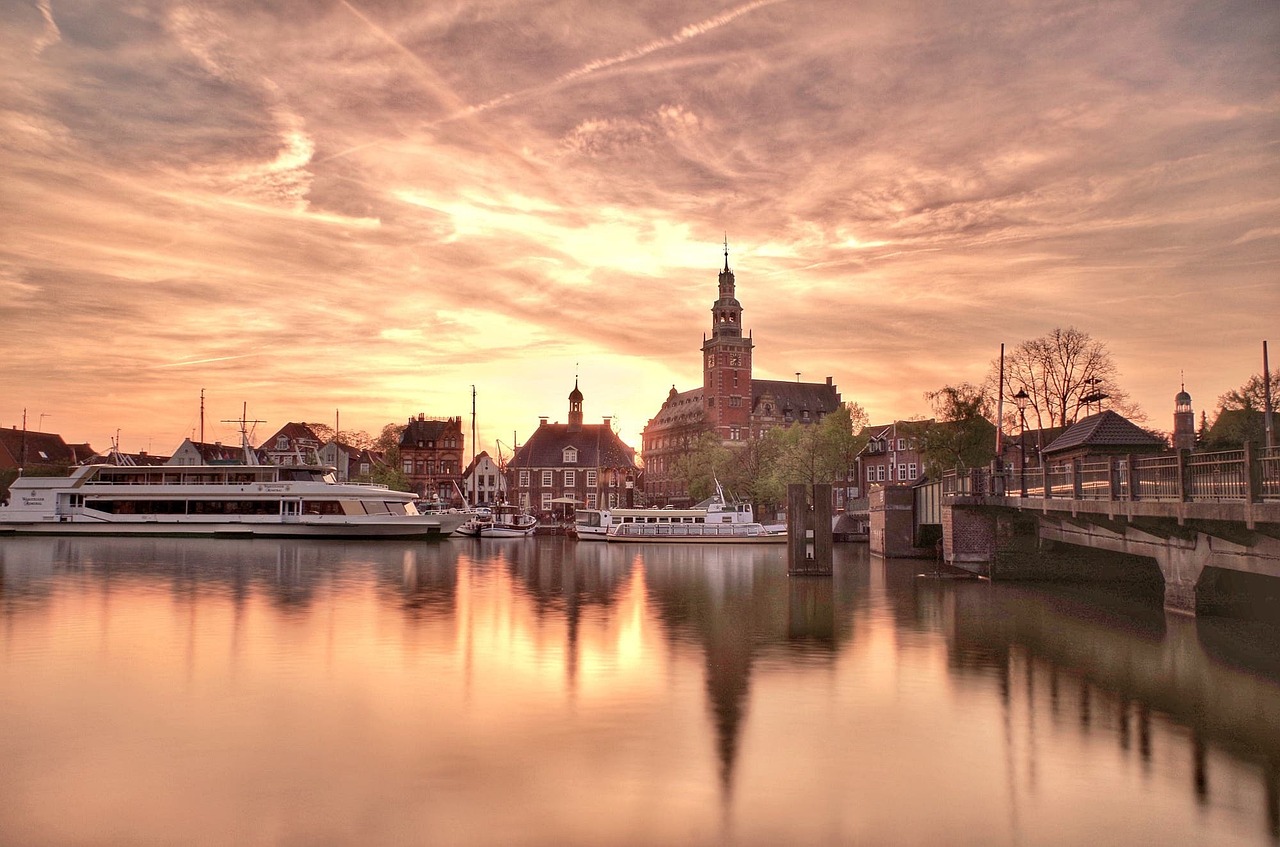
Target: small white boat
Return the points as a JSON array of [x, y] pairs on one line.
[[503, 522], [592, 524], [278, 501], [717, 520]]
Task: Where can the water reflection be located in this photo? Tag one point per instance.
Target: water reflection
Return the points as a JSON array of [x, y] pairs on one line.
[[547, 691]]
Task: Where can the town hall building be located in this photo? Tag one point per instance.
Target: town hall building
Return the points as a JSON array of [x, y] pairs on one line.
[[730, 402]]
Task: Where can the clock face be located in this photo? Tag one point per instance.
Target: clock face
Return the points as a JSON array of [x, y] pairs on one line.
[[711, 360], [735, 359]]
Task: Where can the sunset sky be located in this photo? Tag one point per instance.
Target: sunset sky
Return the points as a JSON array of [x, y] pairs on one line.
[[369, 207]]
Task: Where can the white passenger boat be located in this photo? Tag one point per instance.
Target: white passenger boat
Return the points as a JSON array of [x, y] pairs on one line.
[[503, 522], [717, 520], [592, 524], [231, 500]]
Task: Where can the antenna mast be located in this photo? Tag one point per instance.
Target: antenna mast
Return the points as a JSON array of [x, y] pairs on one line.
[[250, 458]]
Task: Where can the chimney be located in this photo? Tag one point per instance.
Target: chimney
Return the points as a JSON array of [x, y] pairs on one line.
[[607, 420], [542, 420], [828, 380]]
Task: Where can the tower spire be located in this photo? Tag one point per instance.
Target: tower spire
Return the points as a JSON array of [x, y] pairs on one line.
[[726, 251]]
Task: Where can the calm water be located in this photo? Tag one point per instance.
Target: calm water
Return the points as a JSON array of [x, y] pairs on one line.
[[547, 692]]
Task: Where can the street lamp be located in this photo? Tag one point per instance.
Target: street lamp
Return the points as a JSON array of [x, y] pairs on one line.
[[1020, 400]]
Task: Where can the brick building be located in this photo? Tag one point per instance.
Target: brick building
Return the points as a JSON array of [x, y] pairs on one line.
[[431, 451], [730, 402], [587, 463]]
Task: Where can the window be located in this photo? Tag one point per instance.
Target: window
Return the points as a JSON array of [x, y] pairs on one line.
[[902, 472], [524, 479], [570, 455], [735, 401], [546, 501], [613, 501], [911, 469], [546, 479], [408, 466], [591, 501], [570, 479], [591, 480], [880, 473], [902, 444], [735, 434]]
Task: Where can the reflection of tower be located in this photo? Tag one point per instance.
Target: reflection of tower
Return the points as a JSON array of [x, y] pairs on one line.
[[1184, 422], [728, 686]]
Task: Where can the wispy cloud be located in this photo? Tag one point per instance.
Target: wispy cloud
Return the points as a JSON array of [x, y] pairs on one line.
[[375, 205]]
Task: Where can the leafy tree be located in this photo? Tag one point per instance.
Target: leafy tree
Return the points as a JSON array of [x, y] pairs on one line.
[[961, 436], [821, 453], [707, 462], [1240, 415], [1066, 374], [389, 438], [389, 473], [1251, 396]]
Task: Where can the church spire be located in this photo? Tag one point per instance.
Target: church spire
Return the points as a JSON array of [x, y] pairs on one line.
[[726, 252]]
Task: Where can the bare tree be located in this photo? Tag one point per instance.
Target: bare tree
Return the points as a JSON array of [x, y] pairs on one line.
[[1067, 375]]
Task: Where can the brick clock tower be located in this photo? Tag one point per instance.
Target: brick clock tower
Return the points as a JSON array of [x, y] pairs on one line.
[[726, 364]]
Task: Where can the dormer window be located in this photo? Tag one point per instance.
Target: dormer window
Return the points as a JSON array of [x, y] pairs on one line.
[[282, 443], [570, 455]]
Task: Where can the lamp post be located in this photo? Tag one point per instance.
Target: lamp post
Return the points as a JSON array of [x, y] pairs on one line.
[[1020, 399]]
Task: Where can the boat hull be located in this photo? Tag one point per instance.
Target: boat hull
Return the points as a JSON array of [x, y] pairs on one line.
[[693, 534], [406, 527]]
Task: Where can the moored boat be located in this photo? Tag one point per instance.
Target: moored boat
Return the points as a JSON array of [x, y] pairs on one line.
[[229, 500], [717, 520], [503, 521]]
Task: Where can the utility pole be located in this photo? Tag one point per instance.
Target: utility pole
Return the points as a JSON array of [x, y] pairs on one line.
[[201, 415], [1268, 426]]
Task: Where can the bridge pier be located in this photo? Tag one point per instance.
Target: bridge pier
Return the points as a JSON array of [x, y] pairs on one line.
[[1006, 544]]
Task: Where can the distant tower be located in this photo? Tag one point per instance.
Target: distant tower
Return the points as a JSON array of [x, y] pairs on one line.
[[1184, 422], [575, 408], [726, 370]]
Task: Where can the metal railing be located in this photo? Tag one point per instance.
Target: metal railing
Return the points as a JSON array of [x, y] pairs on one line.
[[1237, 476]]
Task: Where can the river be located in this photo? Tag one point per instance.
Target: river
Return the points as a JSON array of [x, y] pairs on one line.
[[546, 691]]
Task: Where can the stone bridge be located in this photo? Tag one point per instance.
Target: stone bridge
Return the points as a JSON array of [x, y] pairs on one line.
[[1210, 522]]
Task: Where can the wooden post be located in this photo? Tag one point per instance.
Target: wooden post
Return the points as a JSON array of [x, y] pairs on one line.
[[822, 537], [1253, 476], [1113, 478], [797, 525], [1184, 477]]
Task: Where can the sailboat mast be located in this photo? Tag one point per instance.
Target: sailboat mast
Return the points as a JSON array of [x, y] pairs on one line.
[[475, 493]]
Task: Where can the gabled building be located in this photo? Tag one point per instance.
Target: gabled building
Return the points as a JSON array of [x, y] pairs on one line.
[[39, 452], [891, 455], [730, 403], [1103, 434], [431, 451], [294, 444], [585, 463], [350, 463], [201, 453], [483, 481]]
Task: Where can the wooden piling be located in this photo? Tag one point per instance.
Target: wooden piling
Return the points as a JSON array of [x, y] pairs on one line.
[[800, 518]]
